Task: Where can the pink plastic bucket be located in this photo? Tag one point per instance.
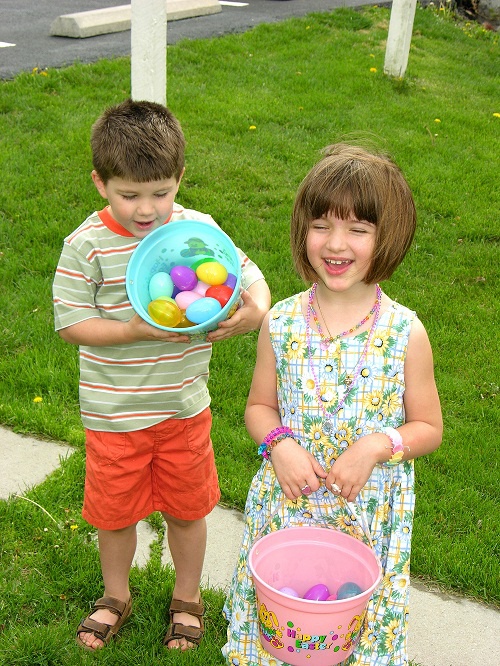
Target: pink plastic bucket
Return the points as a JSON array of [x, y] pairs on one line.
[[302, 632]]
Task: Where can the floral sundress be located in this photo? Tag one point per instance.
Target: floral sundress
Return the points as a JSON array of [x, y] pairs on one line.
[[384, 506]]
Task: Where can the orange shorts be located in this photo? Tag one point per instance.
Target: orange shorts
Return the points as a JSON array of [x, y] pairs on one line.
[[169, 467]]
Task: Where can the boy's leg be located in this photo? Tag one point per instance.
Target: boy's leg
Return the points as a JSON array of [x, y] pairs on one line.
[[116, 550], [187, 542]]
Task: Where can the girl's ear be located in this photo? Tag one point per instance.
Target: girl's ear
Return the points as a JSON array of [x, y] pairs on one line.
[[100, 186]]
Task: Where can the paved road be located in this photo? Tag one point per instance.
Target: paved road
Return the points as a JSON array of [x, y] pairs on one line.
[[26, 25]]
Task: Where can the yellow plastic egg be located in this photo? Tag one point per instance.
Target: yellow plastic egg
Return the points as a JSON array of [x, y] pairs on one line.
[[212, 273], [165, 312]]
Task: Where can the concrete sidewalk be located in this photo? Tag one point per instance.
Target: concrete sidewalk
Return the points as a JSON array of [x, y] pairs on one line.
[[445, 630]]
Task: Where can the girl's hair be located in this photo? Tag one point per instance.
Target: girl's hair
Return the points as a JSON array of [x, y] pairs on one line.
[[137, 141], [347, 181]]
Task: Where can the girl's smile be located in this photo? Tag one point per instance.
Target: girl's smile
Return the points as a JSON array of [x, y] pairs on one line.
[[340, 249]]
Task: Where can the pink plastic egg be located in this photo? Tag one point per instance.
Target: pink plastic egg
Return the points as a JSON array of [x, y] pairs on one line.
[[183, 277], [185, 298], [317, 592], [202, 310], [212, 273], [332, 597], [201, 288]]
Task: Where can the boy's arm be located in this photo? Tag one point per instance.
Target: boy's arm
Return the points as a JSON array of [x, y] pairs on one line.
[[256, 303], [99, 332]]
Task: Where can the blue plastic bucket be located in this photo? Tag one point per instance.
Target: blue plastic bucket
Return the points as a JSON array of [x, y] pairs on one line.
[[180, 243]]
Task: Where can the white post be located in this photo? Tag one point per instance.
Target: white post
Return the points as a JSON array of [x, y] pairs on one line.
[[149, 50], [399, 37]]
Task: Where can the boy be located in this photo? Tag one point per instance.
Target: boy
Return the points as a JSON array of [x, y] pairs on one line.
[[143, 391]]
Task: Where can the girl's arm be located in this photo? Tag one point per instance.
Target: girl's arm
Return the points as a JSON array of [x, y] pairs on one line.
[[294, 466], [421, 432]]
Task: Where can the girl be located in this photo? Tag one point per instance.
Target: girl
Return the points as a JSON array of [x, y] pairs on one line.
[[343, 396]]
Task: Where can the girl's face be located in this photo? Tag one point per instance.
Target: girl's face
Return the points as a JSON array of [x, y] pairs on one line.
[[340, 251], [139, 207]]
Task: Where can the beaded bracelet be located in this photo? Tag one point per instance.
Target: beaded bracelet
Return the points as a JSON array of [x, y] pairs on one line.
[[273, 438], [396, 447]]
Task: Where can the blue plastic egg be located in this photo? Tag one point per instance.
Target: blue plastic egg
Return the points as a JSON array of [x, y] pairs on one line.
[[202, 310], [160, 285], [348, 590]]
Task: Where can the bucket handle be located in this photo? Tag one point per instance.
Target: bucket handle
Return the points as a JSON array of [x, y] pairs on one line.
[[353, 508]]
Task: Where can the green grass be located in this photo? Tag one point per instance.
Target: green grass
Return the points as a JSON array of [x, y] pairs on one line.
[[302, 84]]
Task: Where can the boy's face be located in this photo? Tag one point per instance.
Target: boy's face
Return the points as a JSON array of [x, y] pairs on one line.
[[139, 207]]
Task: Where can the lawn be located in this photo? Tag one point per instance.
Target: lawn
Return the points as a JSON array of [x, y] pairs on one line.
[[256, 109]]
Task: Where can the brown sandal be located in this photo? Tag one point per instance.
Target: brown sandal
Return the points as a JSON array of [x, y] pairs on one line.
[[104, 632], [177, 630]]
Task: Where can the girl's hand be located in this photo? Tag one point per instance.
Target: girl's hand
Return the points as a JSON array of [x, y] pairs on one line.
[[354, 466], [295, 469]]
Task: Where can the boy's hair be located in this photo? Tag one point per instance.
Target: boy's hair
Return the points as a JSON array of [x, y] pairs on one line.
[[350, 180], [137, 141]]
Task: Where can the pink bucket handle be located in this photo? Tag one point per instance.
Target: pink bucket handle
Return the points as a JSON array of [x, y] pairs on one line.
[[353, 508]]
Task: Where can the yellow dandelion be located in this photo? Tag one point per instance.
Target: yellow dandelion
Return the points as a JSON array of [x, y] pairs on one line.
[[391, 404], [237, 659], [496, 115], [373, 69], [373, 400], [436, 120], [73, 527], [372, 55], [295, 347], [252, 127], [37, 399]]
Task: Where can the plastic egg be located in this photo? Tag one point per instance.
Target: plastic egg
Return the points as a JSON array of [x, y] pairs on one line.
[[185, 298], [290, 591], [332, 597], [220, 292], [231, 280], [183, 277], [212, 273], [201, 288], [184, 322], [202, 310], [205, 260], [317, 592], [348, 590], [160, 285], [164, 312]]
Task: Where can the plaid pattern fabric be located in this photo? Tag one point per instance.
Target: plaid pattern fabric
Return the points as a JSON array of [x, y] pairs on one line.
[[385, 504]]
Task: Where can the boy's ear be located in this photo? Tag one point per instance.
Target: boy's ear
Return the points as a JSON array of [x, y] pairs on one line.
[[100, 186]]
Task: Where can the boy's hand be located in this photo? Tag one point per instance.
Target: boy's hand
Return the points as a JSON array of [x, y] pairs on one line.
[[247, 318], [141, 330]]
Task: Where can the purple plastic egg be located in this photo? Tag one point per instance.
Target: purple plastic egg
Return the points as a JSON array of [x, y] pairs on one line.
[[289, 591], [202, 310], [348, 590], [184, 278], [231, 280], [317, 592]]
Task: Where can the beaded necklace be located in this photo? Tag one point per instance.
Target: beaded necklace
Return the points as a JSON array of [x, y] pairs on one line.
[[327, 426], [326, 342]]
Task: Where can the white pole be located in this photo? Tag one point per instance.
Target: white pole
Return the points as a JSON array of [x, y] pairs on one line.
[[399, 37], [149, 50]]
